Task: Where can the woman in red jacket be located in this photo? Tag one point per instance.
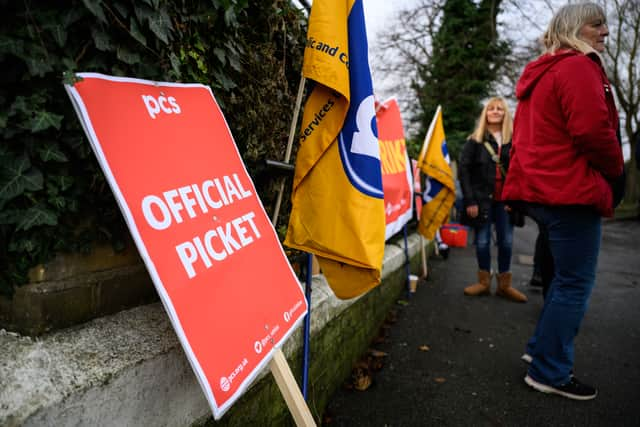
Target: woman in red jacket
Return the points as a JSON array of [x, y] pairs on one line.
[[564, 158]]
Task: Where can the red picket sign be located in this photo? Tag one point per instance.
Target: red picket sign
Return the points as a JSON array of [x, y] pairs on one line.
[[198, 223], [396, 170]]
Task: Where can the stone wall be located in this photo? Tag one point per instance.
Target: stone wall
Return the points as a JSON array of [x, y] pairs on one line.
[[128, 369]]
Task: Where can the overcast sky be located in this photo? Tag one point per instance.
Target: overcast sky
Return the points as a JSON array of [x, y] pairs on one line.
[[378, 13], [381, 13]]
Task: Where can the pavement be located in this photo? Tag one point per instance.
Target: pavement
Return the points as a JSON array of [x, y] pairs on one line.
[[453, 360]]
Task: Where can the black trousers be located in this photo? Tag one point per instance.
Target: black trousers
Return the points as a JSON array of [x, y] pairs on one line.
[[543, 260]]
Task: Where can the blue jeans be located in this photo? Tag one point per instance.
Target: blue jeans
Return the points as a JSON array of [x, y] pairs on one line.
[[574, 234], [504, 235]]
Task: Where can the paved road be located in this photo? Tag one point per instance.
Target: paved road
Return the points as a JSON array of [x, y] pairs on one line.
[[472, 374]]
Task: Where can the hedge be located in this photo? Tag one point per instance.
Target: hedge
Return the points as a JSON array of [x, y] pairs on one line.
[[53, 195]]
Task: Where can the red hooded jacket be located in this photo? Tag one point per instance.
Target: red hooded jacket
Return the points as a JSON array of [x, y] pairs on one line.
[[565, 146]]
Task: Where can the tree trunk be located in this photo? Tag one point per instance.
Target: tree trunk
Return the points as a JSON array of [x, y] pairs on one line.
[[633, 177]]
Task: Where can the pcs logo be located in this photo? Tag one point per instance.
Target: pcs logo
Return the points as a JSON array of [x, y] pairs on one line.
[[359, 149]]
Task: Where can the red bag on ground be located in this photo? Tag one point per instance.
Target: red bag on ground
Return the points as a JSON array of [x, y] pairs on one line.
[[454, 235]]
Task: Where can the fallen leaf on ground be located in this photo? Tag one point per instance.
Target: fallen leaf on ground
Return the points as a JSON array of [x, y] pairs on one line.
[[424, 348], [440, 380], [403, 302], [362, 381], [377, 353]]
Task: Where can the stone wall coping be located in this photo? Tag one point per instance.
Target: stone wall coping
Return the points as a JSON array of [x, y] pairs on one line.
[[53, 376]]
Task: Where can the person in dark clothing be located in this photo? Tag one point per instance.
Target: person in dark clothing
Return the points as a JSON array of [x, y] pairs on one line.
[[542, 262], [536, 276], [483, 166]]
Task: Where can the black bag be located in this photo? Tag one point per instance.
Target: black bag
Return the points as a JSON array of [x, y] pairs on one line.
[[516, 216], [617, 188]]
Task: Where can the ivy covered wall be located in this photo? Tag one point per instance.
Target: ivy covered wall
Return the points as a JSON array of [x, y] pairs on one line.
[[53, 196]]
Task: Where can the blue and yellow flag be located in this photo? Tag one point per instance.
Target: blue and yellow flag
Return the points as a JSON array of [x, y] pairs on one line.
[[440, 189], [338, 207]]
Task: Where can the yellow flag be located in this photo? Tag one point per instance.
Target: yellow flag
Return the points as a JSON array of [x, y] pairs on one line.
[[337, 201], [440, 190]]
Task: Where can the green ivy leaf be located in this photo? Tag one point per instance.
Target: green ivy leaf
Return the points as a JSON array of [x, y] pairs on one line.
[[72, 16], [175, 64], [199, 46], [51, 152], [59, 34], [230, 17], [134, 29], [37, 215], [58, 202], [10, 216], [102, 40], [69, 63], [38, 66], [224, 81], [32, 180], [233, 48], [51, 188], [95, 7], [11, 46], [220, 54], [127, 56], [117, 70], [122, 9], [160, 24], [19, 105], [26, 105], [18, 176], [235, 64], [44, 120], [23, 245], [143, 13], [63, 182]]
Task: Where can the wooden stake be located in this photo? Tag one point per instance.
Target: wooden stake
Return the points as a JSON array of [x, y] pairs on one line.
[[287, 157], [290, 390], [423, 252], [278, 365]]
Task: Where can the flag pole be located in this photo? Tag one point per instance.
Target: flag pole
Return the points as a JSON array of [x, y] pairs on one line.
[[307, 327], [274, 220], [287, 156], [406, 257], [278, 365], [423, 254]]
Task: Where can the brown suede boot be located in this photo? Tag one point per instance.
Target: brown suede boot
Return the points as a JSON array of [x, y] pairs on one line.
[[482, 287], [506, 291]]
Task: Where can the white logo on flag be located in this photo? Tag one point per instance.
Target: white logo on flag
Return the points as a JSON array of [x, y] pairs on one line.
[[364, 140]]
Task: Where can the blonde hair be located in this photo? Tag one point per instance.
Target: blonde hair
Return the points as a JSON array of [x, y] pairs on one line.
[[507, 121], [566, 24]]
